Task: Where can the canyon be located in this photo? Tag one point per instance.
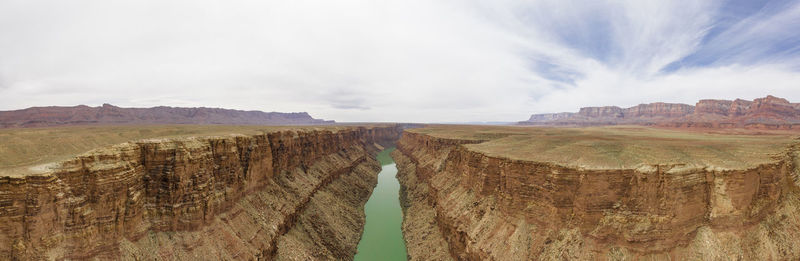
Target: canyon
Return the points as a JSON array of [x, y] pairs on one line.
[[278, 195], [504, 193], [763, 113], [466, 192], [109, 114]]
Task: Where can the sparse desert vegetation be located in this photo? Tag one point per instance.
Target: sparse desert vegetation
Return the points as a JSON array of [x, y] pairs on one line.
[[25, 147], [180, 192], [599, 193], [621, 147]]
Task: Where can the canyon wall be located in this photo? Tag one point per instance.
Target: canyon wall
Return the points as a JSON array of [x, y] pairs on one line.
[[658, 109], [461, 204], [281, 195]]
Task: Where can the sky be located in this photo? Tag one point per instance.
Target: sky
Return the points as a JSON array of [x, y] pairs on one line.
[[396, 60]]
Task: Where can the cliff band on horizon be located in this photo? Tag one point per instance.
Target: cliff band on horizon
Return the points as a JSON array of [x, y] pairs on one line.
[[765, 113], [110, 114]]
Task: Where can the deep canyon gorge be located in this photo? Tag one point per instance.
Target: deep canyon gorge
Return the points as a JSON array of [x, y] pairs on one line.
[[282, 195], [467, 202], [466, 192], [367, 130]]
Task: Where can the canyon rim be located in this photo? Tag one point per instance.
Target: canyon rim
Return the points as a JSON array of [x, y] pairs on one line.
[[400, 130], [467, 192]]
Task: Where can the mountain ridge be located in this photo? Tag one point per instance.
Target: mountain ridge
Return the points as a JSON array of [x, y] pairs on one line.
[[109, 114], [769, 112]]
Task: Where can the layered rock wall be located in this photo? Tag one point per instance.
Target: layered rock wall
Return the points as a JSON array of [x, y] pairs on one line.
[[734, 108], [601, 112], [764, 113], [492, 208], [651, 110], [659, 109], [550, 117], [222, 197]]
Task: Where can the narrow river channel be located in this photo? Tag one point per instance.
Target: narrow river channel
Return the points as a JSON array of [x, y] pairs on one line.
[[382, 238]]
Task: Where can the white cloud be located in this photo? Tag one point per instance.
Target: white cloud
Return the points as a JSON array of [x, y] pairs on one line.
[[361, 60], [751, 39]]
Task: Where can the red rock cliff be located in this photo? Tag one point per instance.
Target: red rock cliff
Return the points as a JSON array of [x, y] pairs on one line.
[[479, 207], [238, 197], [772, 106], [734, 108], [601, 112], [658, 109], [764, 113]]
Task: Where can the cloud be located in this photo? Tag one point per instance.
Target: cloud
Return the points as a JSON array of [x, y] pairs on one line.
[[765, 35], [415, 60], [346, 99]]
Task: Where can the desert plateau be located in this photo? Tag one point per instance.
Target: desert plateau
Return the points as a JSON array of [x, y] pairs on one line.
[[241, 195], [600, 193], [397, 130], [467, 192]]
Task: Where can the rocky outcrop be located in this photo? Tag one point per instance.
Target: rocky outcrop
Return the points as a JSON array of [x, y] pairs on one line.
[[109, 114], [550, 117], [659, 109], [651, 110], [764, 113], [474, 206], [734, 108], [601, 112], [772, 106], [281, 195]]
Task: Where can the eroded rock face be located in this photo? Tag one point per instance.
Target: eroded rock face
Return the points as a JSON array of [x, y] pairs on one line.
[[239, 197], [601, 112], [659, 109], [764, 113], [550, 117], [734, 108], [479, 207], [771, 106]]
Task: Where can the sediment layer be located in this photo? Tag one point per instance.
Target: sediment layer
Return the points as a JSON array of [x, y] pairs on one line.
[[282, 195], [474, 206], [764, 113]]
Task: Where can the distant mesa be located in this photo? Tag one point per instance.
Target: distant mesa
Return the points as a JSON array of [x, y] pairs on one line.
[[764, 113], [110, 114]]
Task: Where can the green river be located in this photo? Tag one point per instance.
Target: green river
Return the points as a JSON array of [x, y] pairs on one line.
[[382, 238]]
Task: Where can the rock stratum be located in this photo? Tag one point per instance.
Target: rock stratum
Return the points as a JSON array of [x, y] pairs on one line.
[[764, 113], [109, 114], [463, 201], [283, 195]]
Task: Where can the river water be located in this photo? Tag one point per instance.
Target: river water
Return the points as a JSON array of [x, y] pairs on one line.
[[382, 238]]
